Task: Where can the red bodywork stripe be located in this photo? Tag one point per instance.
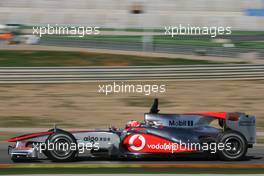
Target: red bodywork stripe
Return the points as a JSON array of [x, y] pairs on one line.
[[219, 115], [24, 137], [21, 138]]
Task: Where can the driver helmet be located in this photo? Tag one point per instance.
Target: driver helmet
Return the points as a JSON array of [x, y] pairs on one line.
[[132, 123]]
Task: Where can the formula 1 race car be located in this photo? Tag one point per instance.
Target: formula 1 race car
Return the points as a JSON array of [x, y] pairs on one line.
[[160, 135]]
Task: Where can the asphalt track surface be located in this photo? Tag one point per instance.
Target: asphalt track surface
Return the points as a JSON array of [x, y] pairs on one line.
[[254, 156], [154, 73]]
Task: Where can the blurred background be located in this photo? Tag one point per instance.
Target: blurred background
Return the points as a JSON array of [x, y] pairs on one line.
[[131, 34], [122, 14], [139, 24]]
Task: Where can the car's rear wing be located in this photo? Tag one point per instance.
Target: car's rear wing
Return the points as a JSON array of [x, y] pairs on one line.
[[242, 123]]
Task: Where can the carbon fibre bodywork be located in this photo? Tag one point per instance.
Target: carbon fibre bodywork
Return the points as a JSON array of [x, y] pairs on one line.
[[199, 123], [157, 134]]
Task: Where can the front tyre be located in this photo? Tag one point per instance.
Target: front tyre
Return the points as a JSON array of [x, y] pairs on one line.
[[235, 146], [61, 147]]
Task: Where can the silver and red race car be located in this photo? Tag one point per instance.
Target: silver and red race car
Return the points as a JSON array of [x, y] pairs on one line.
[[159, 135]]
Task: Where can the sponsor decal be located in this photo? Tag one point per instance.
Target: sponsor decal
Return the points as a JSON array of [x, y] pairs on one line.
[[94, 139], [147, 143], [180, 123], [247, 123], [137, 142]]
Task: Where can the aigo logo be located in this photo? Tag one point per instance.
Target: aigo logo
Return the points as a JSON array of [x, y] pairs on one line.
[[137, 142]]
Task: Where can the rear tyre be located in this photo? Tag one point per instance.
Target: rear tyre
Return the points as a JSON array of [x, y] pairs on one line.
[[61, 147], [235, 146]]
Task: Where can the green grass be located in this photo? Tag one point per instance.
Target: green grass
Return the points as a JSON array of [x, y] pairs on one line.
[[61, 58], [180, 41], [138, 39], [124, 168], [253, 45], [177, 40], [247, 32]]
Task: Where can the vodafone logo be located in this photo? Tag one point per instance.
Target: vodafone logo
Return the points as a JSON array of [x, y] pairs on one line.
[[137, 142]]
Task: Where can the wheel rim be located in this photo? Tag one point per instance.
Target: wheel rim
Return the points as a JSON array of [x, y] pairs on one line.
[[236, 145], [62, 147]]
